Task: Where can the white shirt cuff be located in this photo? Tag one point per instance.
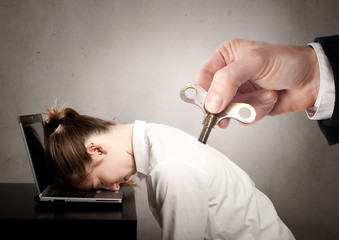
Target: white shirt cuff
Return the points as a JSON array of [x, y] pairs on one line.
[[324, 105]]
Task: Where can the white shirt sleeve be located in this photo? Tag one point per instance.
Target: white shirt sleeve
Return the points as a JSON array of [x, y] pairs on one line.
[[324, 105]]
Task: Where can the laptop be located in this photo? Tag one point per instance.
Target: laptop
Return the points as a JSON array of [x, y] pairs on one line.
[[33, 133]]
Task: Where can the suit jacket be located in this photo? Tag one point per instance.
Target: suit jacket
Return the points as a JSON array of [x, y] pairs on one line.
[[330, 127]]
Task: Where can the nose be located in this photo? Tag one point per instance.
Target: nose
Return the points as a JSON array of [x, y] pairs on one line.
[[113, 187], [116, 186]]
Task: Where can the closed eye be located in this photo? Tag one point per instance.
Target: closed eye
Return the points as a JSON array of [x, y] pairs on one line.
[[97, 186]]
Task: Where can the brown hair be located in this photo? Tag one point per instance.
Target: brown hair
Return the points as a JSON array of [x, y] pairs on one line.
[[65, 133]]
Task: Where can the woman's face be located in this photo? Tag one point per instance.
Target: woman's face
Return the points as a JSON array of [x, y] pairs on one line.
[[110, 171], [112, 159]]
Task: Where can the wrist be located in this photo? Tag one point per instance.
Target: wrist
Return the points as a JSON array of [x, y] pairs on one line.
[[314, 77]]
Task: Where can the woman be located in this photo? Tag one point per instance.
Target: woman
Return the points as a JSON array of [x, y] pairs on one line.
[[194, 191]]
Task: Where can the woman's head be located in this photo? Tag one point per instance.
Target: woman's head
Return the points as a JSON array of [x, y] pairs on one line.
[[65, 134]]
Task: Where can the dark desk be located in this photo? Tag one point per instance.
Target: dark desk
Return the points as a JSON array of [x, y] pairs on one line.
[[21, 216]]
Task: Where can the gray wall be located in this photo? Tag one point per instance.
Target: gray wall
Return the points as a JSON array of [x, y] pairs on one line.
[[129, 59]]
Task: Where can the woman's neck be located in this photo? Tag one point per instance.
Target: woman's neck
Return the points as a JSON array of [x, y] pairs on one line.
[[122, 135]]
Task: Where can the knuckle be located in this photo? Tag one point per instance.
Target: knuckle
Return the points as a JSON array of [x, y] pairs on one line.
[[228, 49], [257, 55]]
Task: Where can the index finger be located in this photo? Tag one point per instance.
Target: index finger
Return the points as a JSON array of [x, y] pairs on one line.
[[226, 81], [226, 53], [206, 73]]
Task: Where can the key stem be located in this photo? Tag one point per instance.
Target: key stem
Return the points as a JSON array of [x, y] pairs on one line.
[[209, 122]]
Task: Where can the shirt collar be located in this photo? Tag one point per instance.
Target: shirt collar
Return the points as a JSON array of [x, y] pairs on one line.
[[140, 148]]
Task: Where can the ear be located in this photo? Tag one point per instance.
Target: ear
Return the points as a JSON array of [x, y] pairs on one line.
[[96, 151]]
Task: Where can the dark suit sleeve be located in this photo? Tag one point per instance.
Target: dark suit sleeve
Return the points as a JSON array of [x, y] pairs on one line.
[[330, 127]]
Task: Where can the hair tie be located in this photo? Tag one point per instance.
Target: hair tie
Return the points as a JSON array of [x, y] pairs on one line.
[[54, 123], [63, 119]]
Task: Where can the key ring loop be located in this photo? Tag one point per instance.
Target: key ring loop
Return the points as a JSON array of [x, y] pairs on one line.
[[235, 111], [198, 98]]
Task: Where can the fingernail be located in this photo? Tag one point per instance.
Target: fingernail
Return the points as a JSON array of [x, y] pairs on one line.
[[266, 97], [213, 102]]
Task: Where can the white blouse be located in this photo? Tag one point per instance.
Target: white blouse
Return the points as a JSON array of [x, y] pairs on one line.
[[196, 192]]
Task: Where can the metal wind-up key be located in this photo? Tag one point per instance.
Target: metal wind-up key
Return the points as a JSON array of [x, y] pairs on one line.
[[197, 96]]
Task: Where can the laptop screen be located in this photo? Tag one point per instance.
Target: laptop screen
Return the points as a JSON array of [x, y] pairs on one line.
[[33, 131]]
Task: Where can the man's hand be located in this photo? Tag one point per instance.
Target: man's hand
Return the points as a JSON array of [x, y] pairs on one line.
[[273, 78]]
